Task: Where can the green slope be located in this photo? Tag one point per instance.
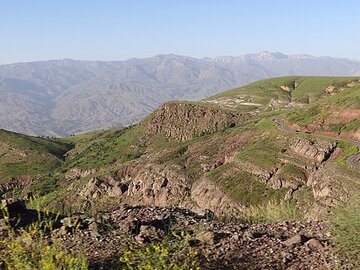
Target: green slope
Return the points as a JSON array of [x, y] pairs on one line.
[[337, 113], [252, 162], [285, 90], [26, 155], [254, 145]]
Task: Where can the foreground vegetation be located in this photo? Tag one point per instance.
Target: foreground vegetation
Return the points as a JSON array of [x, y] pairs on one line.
[[36, 246], [173, 253], [345, 225]]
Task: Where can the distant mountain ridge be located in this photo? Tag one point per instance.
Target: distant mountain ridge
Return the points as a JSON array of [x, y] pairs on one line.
[[60, 97]]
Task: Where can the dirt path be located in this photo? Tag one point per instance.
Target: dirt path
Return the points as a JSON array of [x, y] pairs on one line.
[[353, 160]]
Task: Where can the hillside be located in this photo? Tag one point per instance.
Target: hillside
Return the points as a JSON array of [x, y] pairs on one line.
[[69, 96], [213, 167], [223, 153], [24, 159], [337, 115]]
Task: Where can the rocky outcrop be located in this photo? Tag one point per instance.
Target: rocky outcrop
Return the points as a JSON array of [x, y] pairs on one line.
[[317, 151], [264, 175], [161, 185], [183, 121], [158, 185], [97, 187], [77, 173], [290, 86], [207, 195], [9, 183], [330, 89], [273, 178], [333, 89]]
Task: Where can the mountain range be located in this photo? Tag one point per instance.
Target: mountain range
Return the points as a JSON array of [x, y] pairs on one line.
[[62, 97]]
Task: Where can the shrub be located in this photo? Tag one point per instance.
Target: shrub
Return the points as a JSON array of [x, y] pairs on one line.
[[272, 212], [171, 254], [36, 248]]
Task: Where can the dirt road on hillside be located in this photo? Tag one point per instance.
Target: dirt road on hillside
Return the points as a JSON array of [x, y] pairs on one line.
[[353, 160]]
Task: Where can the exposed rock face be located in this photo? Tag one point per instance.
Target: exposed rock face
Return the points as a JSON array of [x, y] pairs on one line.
[[326, 187], [158, 185], [264, 175], [145, 181], [10, 183], [126, 171], [290, 86], [183, 121], [333, 89], [207, 195], [77, 173], [317, 151], [330, 89], [97, 187], [161, 185]]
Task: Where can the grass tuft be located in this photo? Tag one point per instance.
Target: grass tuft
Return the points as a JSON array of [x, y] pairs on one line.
[[272, 212], [345, 225]]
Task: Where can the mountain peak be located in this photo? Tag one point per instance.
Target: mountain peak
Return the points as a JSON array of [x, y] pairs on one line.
[[273, 54], [266, 56]]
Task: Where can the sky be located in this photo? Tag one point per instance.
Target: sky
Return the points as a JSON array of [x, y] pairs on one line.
[[32, 30]]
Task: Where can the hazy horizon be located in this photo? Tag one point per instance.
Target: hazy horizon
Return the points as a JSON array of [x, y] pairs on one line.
[[149, 56], [120, 30]]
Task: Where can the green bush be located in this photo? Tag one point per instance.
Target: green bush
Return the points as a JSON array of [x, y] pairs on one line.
[[271, 212], [171, 254], [36, 248]]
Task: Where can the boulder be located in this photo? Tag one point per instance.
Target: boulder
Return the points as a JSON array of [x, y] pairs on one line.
[[148, 234], [295, 240], [314, 244]]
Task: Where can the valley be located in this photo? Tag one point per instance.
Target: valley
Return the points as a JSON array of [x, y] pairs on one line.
[[62, 97], [179, 135], [257, 165]]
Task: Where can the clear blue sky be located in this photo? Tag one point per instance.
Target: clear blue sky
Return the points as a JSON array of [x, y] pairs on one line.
[[117, 30]]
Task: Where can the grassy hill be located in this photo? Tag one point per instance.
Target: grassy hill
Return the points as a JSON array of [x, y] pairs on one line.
[[243, 154], [338, 112], [22, 155], [282, 92], [233, 146], [227, 142], [325, 104]]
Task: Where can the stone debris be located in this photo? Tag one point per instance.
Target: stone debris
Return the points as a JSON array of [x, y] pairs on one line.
[[284, 245]]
